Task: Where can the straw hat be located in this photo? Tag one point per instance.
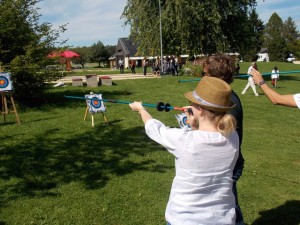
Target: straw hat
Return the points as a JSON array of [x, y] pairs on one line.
[[212, 93]]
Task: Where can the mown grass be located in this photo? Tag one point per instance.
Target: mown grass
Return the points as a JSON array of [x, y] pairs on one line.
[[56, 169]]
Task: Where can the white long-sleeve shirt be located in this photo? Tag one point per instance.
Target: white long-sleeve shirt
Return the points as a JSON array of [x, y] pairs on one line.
[[201, 192], [297, 99]]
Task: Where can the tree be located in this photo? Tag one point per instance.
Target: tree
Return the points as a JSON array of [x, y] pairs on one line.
[[85, 55], [291, 36], [192, 27], [273, 38], [24, 45], [99, 53]]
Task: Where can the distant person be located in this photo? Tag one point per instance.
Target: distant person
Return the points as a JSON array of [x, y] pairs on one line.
[[145, 65], [237, 69], [290, 100], [275, 76], [156, 68], [250, 80], [121, 65], [205, 156], [132, 66]]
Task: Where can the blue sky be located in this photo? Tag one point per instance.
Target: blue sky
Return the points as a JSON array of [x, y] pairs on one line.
[[90, 21]]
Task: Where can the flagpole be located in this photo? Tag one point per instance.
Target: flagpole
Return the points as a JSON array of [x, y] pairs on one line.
[[161, 44]]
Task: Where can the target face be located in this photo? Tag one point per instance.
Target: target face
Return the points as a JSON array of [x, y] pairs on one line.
[[182, 120], [5, 82], [95, 103]]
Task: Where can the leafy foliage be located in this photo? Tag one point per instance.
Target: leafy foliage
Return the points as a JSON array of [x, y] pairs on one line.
[[24, 45], [191, 27], [281, 38], [99, 53]]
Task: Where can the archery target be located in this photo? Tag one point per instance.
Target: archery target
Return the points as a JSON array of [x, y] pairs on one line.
[[95, 103], [5, 82], [182, 120]]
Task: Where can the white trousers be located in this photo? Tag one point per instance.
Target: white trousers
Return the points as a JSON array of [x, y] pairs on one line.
[[250, 84]]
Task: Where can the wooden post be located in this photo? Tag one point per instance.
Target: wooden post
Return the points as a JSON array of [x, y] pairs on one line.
[[92, 116], [5, 109]]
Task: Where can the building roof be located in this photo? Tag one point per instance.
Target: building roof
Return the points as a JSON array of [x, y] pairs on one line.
[[263, 50], [125, 47]]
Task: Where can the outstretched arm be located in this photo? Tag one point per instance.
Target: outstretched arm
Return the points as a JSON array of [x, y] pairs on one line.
[[275, 98], [137, 106]]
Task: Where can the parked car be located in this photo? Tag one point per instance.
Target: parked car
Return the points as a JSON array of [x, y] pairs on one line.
[[290, 59]]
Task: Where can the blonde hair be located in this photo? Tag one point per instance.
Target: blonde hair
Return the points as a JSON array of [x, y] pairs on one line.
[[224, 122]]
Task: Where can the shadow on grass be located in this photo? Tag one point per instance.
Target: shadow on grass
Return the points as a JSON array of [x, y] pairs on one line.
[[289, 213], [37, 165], [55, 97]]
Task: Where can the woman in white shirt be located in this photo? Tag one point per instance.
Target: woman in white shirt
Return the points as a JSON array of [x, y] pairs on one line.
[[205, 156]]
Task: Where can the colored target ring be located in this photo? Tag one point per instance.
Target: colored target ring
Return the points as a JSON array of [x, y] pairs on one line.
[[96, 103], [184, 121], [3, 82]]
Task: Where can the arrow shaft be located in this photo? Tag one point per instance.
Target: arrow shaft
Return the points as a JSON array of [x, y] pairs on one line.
[[246, 75], [124, 102]]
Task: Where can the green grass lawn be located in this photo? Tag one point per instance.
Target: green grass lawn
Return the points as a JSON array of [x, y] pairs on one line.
[[56, 169]]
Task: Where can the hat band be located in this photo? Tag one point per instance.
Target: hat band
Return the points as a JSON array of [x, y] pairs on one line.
[[203, 102]]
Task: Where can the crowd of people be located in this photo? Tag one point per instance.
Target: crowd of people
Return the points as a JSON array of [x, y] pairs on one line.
[[168, 65]]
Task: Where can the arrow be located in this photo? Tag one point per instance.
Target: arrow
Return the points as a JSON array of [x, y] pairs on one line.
[[159, 106], [245, 75]]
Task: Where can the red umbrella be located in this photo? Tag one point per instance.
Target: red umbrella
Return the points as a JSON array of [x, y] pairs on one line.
[[69, 54]]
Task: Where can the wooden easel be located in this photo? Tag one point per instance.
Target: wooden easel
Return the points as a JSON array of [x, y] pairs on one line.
[[92, 115], [5, 110]]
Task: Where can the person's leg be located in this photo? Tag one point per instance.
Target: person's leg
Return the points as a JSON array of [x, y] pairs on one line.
[[246, 88], [252, 84], [238, 212]]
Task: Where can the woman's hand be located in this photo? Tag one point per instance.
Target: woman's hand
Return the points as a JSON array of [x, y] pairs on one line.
[[136, 106], [257, 77]]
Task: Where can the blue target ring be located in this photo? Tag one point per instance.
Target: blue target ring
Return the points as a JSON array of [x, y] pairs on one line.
[[3, 82], [184, 119], [96, 103]]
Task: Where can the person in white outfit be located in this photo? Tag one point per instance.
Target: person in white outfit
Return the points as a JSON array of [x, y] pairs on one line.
[[250, 80], [205, 156], [275, 76]]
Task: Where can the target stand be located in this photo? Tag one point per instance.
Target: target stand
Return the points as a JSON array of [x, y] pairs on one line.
[[92, 116], [4, 102], [95, 105]]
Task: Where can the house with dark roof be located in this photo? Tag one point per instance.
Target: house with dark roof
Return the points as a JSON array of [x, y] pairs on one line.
[[126, 51], [263, 55]]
